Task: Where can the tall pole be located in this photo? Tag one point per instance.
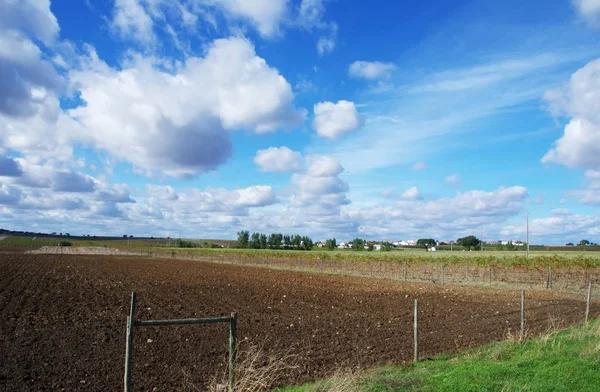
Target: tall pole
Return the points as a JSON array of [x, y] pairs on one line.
[[527, 233]]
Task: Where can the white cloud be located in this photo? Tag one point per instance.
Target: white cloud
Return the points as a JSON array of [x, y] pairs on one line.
[[387, 192], [35, 17], [27, 79], [453, 179], [190, 110], [333, 120], [589, 9], [319, 193], [419, 166], [580, 99], [278, 159], [9, 195], [411, 194], [265, 15], [131, 20], [371, 70], [325, 45], [137, 19]]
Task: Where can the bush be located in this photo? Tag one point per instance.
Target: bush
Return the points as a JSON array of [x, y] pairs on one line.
[[64, 243]]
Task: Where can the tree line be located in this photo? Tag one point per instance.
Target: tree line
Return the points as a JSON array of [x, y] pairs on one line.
[[274, 241]]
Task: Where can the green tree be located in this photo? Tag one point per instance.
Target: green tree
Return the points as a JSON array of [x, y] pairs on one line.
[[296, 240], [425, 243], [386, 246], [255, 241], [287, 240], [469, 242], [307, 243], [370, 247], [243, 238], [510, 246], [358, 244], [263, 241], [331, 244], [584, 243]]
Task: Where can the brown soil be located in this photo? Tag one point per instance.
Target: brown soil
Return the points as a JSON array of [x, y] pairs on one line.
[[62, 320]]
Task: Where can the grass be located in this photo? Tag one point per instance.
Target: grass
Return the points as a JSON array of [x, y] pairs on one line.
[[419, 256], [558, 361]]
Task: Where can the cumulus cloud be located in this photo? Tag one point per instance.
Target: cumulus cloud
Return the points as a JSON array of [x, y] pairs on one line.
[[190, 110], [411, 194], [320, 191], [325, 45], [278, 159], [264, 15], [419, 166], [579, 147], [9, 167], [131, 20], [333, 120], [589, 10], [26, 79], [34, 17], [9, 195], [72, 182], [453, 179], [371, 70], [445, 217], [138, 19]]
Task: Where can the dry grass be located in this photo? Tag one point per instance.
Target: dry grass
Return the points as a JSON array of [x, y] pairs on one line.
[[255, 370]]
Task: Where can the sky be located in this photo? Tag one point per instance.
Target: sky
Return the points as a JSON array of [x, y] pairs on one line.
[[329, 118]]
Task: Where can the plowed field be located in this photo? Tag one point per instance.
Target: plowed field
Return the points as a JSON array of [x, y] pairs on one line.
[[62, 320]]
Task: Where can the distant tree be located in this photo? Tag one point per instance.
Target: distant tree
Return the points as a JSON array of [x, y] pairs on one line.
[[469, 242], [386, 246], [584, 243], [255, 241], [358, 244], [296, 240], [263, 241], [370, 247], [425, 243], [287, 240], [510, 246], [306, 243], [275, 240], [330, 244], [243, 239], [570, 244]]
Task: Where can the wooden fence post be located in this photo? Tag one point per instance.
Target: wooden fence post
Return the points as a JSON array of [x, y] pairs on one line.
[[490, 276], [587, 304], [522, 316], [404, 269], [129, 344], [443, 272], [232, 349], [549, 283], [416, 332]]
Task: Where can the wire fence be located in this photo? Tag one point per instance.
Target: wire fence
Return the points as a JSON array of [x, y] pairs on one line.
[[574, 279]]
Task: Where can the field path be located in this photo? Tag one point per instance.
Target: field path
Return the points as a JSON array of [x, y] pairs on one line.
[[62, 320]]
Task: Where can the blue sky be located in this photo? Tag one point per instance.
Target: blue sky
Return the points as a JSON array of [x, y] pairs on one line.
[[384, 120]]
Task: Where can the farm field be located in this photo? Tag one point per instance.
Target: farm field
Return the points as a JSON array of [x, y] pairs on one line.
[[62, 320]]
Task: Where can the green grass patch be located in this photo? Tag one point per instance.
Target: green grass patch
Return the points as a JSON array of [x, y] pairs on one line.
[[564, 361]]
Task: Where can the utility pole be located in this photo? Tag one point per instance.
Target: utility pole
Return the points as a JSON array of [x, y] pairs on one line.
[[527, 233]]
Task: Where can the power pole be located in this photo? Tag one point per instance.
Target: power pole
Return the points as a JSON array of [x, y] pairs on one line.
[[527, 233]]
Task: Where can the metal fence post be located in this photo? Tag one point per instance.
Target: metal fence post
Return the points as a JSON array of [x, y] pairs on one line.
[[129, 344], [232, 349]]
